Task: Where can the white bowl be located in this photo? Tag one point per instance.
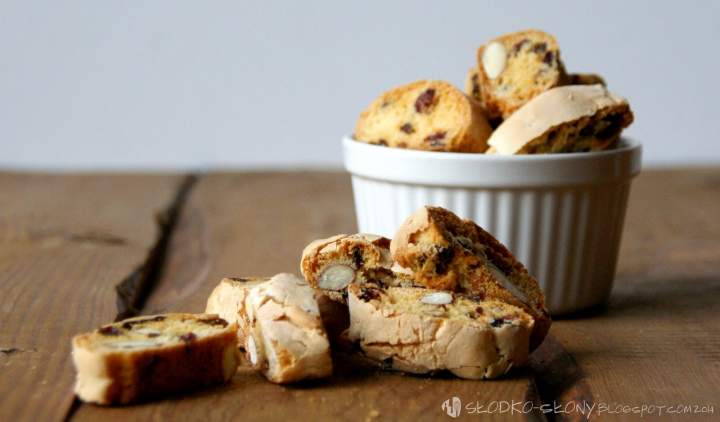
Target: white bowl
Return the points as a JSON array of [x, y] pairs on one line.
[[560, 214]]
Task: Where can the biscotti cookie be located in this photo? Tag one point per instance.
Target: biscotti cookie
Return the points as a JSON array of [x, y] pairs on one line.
[[150, 356], [286, 339], [514, 68], [332, 264], [447, 253], [227, 300], [425, 115], [422, 330], [585, 79], [574, 118]]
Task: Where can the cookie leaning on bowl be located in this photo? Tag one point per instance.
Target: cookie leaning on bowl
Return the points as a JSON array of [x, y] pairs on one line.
[[425, 115], [445, 252], [573, 118], [422, 330], [150, 356]]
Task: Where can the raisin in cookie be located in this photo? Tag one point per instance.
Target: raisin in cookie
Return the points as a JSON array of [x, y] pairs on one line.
[[150, 356], [286, 339], [574, 118], [514, 68], [332, 264], [425, 115], [422, 330], [447, 253]]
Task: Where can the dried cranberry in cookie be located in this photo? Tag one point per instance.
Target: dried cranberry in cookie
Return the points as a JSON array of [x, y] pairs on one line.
[[425, 115], [516, 67]]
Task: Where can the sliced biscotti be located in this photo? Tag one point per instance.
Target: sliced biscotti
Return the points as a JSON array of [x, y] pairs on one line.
[[514, 68], [421, 330], [447, 253], [285, 337], [425, 115], [574, 118], [332, 264], [227, 300], [150, 356]]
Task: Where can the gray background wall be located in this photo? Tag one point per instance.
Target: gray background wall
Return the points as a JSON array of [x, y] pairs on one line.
[[99, 84]]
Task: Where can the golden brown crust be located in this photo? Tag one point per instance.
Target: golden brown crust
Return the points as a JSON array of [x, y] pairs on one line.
[[147, 357], [532, 66], [425, 115], [448, 253]]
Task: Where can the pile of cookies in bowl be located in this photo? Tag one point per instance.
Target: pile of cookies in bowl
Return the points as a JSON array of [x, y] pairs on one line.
[[518, 99]]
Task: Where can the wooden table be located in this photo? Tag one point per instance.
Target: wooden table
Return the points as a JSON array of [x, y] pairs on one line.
[[80, 250]]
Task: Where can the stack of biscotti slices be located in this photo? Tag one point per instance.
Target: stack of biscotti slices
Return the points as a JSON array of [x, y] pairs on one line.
[[442, 295], [519, 87]]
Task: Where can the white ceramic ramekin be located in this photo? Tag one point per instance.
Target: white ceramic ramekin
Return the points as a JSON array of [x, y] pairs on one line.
[[560, 214]]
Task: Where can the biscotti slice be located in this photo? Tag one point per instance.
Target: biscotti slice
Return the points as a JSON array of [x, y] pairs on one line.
[[425, 115], [332, 264], [447, 253], [227, 300], [585, 79], [574, 118], [421, 330], [150, 356], [286, 339], [514, 68]]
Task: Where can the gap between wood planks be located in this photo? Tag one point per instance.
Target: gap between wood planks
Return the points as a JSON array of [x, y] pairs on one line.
[[556, 377], [135, 288]]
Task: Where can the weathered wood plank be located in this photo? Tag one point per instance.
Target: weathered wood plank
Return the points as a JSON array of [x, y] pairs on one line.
[[257, 224], [65, 243], [658, 341]]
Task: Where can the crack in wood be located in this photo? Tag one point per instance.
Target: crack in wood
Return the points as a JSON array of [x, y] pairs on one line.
[[560, 381], [135, 288]]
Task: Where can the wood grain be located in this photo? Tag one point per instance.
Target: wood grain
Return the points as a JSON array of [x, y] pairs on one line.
[[657, 342], [65, 243], [257, 224]]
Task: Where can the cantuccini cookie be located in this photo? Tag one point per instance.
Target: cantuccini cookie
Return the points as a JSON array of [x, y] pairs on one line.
[[332, 264], [447, 253], [514, 68], [574, 118], [150, 356], [425, 115], [421, 330], [286, 339], [228, 301]]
